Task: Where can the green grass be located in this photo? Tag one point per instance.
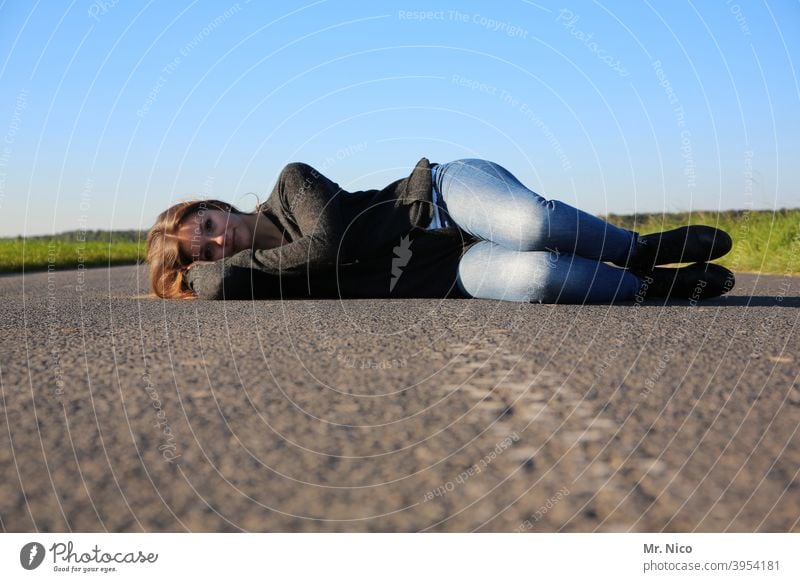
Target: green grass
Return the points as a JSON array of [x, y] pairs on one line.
[[39, 253], [764, 241]]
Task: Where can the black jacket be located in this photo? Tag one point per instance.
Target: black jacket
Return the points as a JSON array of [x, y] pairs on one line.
[[371, 243]]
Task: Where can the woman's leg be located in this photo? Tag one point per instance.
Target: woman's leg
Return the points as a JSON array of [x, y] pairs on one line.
[[491, 271], [486, 200]]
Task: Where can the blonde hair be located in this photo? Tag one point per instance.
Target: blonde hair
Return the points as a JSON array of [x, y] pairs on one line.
[[167, 261]]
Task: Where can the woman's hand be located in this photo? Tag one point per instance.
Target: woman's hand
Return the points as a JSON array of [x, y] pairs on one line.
[[206, 282]]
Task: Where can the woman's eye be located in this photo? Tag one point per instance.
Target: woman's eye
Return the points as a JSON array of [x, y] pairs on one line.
[[208, 224]]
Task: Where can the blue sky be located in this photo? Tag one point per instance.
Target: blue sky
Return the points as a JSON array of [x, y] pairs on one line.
[[112, 111]]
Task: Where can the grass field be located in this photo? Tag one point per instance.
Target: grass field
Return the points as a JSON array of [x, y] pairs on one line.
[[40, 253], [763, 241]]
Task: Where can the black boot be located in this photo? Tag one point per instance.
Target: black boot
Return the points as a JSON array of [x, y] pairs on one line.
[[697, 281], [687, 244]]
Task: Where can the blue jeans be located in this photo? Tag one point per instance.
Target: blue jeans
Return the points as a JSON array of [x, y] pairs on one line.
[[532, 249]]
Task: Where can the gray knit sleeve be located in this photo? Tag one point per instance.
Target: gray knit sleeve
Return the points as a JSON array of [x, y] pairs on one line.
[[309, 199], [312, 200], [216, 280], [243, 276], [225, 280]]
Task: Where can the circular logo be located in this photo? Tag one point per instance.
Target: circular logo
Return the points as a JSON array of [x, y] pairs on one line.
[[31, 555]]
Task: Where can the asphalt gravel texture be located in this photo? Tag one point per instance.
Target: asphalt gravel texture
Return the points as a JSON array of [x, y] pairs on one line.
[[124, 413]]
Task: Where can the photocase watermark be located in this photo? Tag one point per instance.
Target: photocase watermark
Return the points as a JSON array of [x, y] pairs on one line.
[[740, 18], [766, 327], [52, 329], [472, 470], [748, 172], [20, 105], [538, 290], [342, 154], [676, 338], [689, 166], [527, 113], [543, 509], [100, 7], [84, 204], [568, 20], [359, 363], [65, 559], [196, 238], [68, 561], [402, 255], [743, 222], [170, 68], [342, 354], [491, 24], [31, 555], [195, 241], [629, 329], [169, 449], [314, 175]]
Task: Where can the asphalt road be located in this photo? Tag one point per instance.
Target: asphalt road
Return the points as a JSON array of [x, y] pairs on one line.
[[128, 414]]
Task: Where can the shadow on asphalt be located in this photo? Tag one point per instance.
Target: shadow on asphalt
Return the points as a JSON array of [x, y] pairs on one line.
[[730, 301]]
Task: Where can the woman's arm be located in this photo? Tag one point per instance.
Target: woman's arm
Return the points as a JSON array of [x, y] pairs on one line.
[[263, 273], [227, 279], [311, 201]]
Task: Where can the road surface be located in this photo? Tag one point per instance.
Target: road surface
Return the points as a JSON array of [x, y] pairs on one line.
[[126, 414]]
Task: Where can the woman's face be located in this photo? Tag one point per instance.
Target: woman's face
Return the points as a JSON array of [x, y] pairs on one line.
[[210, 234]]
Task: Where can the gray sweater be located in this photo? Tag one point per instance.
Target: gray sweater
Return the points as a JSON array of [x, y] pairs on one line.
[[370, 243]]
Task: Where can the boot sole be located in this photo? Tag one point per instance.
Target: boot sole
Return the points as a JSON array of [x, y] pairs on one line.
[[697, 281]]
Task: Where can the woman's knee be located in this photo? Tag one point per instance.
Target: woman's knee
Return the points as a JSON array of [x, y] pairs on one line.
[[542, 271], [495, 272]]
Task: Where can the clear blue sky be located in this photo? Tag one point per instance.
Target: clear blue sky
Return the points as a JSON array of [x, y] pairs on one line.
[[112, 111]]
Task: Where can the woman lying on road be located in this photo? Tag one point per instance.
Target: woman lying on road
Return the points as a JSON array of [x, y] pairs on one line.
[[462, 229]]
